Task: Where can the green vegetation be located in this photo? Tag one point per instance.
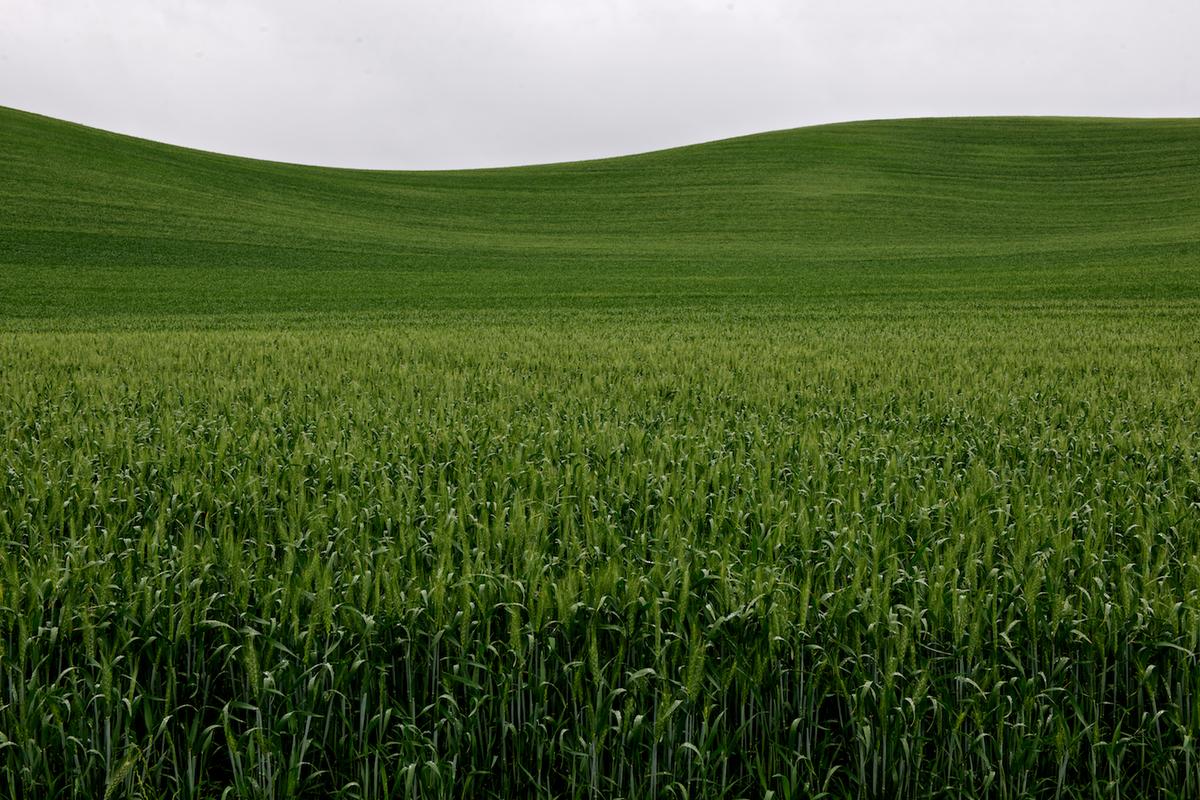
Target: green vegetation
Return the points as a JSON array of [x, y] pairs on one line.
[[860, 460]]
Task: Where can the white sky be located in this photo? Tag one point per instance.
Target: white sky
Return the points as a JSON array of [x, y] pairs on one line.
[[457, 83]]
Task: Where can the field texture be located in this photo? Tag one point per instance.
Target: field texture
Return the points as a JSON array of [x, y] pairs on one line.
[[851, 461]]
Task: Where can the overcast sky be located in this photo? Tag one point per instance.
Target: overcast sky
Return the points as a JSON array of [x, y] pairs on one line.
[[456, 83]]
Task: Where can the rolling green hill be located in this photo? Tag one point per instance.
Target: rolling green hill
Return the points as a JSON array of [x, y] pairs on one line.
[[96, 223], [854, 461]]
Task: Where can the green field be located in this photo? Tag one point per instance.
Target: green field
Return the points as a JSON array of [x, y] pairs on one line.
[[856, 461]]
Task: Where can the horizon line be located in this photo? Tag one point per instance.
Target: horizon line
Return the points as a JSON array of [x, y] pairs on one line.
[[596, 159]]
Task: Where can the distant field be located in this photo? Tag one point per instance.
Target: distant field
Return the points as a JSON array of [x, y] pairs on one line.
[[860, 460]]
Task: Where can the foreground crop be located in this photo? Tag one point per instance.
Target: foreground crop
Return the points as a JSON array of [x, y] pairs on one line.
[[892, 553]]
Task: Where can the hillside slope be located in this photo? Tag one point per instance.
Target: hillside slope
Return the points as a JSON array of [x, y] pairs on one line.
[[1007, 207]]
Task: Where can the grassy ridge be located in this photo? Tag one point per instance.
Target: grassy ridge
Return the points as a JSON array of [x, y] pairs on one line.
[[1002, 208], [853, 461]]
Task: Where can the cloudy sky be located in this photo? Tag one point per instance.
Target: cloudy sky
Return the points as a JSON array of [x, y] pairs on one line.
[[455, 83]]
